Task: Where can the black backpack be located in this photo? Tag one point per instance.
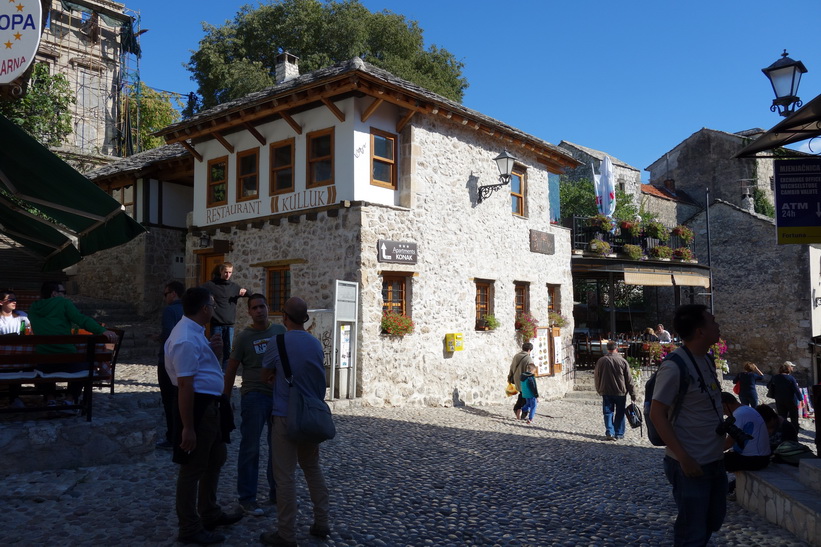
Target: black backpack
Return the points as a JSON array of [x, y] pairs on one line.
[[684, 380]]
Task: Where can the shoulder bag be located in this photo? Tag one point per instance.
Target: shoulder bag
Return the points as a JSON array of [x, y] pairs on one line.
[[309, 418]]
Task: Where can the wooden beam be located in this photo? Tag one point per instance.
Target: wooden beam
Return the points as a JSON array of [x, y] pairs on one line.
[[371, 109], [292, 122], [223, 142], [404, 121], [333, 108], [190, 148], [257, 135]]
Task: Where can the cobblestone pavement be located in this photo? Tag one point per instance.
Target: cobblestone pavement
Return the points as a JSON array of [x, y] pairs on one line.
[[403, 477]]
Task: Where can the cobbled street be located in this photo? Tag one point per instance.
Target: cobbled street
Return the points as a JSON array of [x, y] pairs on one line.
[[399, 477]]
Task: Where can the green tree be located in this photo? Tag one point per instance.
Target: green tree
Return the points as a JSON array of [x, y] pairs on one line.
[[149, 111], [44, 111], [239, 57], [578, 198]]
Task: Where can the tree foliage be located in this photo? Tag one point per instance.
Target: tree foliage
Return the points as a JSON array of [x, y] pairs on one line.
[[153, 110], [761, 204], [44, 111], [578, 198], [239, 57]]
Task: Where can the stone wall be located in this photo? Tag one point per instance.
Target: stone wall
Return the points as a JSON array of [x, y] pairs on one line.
[[760, 290], [134, 273]]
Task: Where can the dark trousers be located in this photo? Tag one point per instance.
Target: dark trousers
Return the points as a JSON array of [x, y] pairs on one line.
[[199, 475], [789, 410], [168, 394], [520, 402], [733, 461]]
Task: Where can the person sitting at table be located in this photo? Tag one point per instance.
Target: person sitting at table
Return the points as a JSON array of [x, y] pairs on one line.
[[54, 314], [649, 335], [11, 322], [663, 335]]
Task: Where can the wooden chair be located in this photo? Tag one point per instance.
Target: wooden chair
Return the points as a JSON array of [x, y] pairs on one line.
[[107, 381]]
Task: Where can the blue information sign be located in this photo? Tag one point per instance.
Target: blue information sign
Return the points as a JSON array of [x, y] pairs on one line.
[[798, 200]]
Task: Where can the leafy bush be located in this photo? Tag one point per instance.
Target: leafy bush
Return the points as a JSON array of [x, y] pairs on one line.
[[684, 233], [683, 253], [556, 319], [396, 324], [657, 230], [633, 251], [526, 324], [599, 247], [661, 251], [491, 322]]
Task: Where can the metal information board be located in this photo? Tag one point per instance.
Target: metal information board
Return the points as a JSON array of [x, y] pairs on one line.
[[798, 200]]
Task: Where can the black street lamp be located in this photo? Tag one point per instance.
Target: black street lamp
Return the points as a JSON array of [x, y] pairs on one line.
[[785, 75], [505, 162]]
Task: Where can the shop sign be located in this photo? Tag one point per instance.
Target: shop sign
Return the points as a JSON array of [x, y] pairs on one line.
[[397, 252], [20, 28], [798, 200]]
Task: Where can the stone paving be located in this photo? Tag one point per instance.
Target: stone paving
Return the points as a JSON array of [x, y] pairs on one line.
[[400, 477]]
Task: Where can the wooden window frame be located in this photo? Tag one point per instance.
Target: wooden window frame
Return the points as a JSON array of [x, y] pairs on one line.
[[309, 160], [522, 173], [276, 168], [240, 176], [392, 162], [276, 302], [211, 183], [484, 290], [521, 297], [388, 304]]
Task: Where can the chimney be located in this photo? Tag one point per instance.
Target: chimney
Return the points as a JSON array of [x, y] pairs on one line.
[[286, 67], [748, 203]]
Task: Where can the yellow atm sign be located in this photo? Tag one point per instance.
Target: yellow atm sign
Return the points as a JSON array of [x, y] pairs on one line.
[[798, 200]]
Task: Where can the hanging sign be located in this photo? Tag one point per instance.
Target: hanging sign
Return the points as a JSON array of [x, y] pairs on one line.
[[20, 28], [798, 200]]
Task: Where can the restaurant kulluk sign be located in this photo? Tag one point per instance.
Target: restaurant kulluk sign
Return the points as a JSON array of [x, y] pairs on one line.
[[20, 25], [798, 200]]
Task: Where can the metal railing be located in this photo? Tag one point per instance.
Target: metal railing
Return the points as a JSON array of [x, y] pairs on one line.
[[584, 233]]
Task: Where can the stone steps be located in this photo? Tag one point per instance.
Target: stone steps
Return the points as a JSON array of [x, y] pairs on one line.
[[787, 496]]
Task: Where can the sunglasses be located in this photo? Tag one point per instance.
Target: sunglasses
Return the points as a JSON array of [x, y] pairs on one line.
[[10, 300]]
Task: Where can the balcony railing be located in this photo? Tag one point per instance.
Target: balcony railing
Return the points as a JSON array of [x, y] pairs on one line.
[[584, 232]]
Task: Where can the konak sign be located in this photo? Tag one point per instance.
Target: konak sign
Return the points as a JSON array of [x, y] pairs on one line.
[[20, 26]]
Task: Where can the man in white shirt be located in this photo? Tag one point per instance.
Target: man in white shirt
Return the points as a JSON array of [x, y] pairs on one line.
[[663, 336], [194, 368], [746, 454]]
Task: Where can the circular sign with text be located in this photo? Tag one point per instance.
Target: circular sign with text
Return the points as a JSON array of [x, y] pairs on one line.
[[20, 24]]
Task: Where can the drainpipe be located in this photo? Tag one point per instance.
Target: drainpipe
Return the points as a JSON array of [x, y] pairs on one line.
[[709, 256]]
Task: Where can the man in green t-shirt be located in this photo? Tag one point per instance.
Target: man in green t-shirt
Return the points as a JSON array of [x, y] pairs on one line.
[[257, 401]]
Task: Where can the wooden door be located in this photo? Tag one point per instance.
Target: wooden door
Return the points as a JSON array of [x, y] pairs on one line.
[[209, 261]]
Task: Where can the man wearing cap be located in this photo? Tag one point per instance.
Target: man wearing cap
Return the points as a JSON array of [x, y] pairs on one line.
[[784, 389]]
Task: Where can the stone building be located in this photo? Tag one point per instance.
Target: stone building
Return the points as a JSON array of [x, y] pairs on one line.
[[704, 160], [325, 176], [762, 290], [628, 178]]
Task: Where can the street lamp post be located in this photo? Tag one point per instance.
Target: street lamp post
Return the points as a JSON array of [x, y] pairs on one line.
[[785, 75]]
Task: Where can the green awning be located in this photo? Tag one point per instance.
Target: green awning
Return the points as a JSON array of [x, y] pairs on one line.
[[76, 207]]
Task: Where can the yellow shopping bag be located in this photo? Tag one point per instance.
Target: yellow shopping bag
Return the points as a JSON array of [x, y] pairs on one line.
[[511, 390]]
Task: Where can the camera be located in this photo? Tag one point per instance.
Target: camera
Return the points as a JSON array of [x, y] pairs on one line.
[[728, 427]]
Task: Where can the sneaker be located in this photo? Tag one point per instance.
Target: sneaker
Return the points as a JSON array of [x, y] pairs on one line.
[[203, 537], [251, 508], [320, 531], [609, 437], [273, 538]]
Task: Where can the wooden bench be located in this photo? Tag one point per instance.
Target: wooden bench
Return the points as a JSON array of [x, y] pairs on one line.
[[21, 364]]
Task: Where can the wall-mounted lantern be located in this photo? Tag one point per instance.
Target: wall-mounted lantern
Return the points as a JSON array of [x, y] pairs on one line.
[[505, 162], [205, 240], [785, 75]]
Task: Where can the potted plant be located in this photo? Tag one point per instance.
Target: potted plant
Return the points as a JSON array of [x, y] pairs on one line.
[[633, 251], [490, 321], [661, 251], [599, 247], [556, 319], [683, 253], [602, 223], [684, 233], [657, 230], [630, 227], [526, 324], [396, 324]]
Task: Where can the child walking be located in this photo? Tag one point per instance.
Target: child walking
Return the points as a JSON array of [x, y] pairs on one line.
[[530, 392]]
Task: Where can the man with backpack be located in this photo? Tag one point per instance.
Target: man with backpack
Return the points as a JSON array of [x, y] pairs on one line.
[[685, 411]]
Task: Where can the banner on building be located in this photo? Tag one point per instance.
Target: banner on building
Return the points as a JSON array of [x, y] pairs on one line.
[[20, 28], [798, 200]]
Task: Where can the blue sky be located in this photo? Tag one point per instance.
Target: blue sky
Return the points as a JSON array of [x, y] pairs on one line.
[[630, 78]]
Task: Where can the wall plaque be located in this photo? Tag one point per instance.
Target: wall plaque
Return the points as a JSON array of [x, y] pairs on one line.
[[397, 252], [542, 242]]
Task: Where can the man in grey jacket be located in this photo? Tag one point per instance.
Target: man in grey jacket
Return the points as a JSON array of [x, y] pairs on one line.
[[613, 383]]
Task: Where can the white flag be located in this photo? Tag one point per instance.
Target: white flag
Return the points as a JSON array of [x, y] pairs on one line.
[[605, 190]]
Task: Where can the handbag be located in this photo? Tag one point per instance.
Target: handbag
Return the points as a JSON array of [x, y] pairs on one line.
[[511, 390], [737, 387], [309, 418], [633, 415]]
